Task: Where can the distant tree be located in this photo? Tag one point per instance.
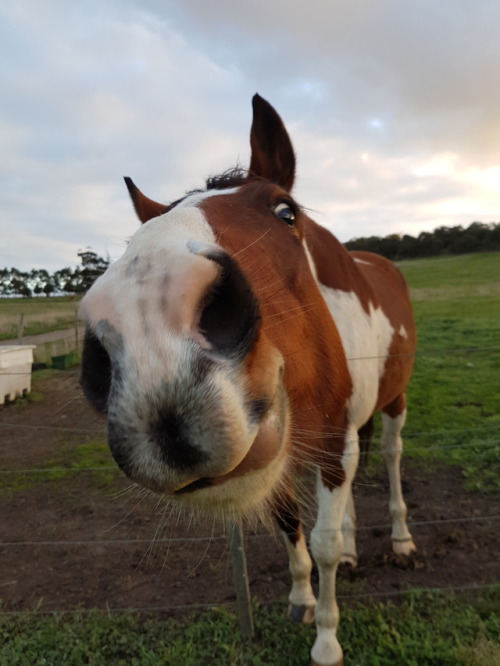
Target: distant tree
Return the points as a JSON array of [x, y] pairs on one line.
[[26, 291], [49, 288], [406, 247], [389, 246], [4, 281], [92, 267], [18, 284]]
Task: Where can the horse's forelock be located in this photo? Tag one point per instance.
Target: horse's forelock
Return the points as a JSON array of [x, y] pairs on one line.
[[233, 177]]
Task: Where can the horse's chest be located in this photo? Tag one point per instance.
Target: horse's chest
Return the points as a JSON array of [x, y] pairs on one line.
[[366, 338]]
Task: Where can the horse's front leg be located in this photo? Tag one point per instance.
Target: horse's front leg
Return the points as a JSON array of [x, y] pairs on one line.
[[327, 543], [301, 598], [349, 554]]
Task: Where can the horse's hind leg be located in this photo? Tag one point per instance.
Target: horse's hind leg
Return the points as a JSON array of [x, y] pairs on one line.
[[393, 419], [350, 555], [301, 598]]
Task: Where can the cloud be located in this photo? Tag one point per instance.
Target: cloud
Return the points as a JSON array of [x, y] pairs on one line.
[[392, 107], [104, 99]]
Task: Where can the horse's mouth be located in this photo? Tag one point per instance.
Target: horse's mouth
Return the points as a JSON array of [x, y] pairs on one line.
[[199, 484]]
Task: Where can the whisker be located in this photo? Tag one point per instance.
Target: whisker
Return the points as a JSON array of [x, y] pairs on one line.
[[117, 494], [279, 323], [68, 402], [144, 495], [300, 308], [252, 243], [325, 432]]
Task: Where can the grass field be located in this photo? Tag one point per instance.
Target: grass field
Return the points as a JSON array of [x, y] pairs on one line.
[[453, 417], [40, 315], [454, 394]]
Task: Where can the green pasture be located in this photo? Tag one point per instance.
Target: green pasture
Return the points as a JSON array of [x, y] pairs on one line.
[[453, 418], [39, 315], [454, 394], [464, 270]]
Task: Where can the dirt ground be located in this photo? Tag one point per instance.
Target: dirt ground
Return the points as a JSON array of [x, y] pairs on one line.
[[89, 540]]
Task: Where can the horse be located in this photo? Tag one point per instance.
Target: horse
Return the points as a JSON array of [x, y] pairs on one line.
[[237, 342]]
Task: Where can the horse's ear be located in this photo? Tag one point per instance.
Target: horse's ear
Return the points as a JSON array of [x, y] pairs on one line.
[[144, 207], [272, 152]]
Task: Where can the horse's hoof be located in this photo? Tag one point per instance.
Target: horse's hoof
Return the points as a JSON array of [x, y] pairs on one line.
[[350, 560], [326, 651], [302, 614], [406, 547]]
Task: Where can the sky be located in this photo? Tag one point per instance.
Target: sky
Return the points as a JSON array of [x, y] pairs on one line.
[[393, 107]]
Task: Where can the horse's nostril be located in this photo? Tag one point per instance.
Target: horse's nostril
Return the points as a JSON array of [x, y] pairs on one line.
[[95, 374], [230, 316], [179, 452]]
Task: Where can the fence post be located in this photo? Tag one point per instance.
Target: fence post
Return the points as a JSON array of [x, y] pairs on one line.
[[77, 344], [240, 579], [20, 328]]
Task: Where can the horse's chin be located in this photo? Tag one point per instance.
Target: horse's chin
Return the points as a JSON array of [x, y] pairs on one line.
[[245, 489], [233, 496]]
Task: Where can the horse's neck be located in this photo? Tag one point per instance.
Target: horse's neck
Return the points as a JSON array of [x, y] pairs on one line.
[[334, 266]]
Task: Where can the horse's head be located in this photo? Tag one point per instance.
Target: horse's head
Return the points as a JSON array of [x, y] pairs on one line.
[[199, 338]]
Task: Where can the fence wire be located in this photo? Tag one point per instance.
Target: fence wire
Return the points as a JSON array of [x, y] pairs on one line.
[[451, 589], [417, 354], [223, 537], [433, 448], [409, 436]]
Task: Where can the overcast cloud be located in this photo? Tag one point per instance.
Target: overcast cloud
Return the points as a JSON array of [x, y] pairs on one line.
[[393, 107]]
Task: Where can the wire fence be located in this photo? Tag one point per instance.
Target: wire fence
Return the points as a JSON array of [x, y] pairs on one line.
[[489, 440], [54, 471], [191, 607], [224, 537], [418, 353], [431, 448]]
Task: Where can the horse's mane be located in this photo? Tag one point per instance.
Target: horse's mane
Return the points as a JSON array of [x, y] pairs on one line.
[[230, 178], [233, 177]]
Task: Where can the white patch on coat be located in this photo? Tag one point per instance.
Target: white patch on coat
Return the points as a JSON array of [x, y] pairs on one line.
[[366, 337], [157, 267], [310, 261], [403, 332], [362, 261], [139, 276], [174, 236], [197, 197]]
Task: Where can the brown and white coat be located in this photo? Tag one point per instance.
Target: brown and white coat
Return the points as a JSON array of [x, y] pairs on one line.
[[236, 341]]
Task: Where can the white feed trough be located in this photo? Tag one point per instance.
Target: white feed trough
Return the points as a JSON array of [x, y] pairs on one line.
[[15, 370]]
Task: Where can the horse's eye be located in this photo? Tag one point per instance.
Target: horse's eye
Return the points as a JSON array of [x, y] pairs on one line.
[[285, 212]]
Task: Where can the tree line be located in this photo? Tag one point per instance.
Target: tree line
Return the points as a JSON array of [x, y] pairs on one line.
[[39, 282], [477, 237]]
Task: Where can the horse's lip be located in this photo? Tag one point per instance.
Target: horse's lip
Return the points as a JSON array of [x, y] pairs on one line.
[[194, 485]]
